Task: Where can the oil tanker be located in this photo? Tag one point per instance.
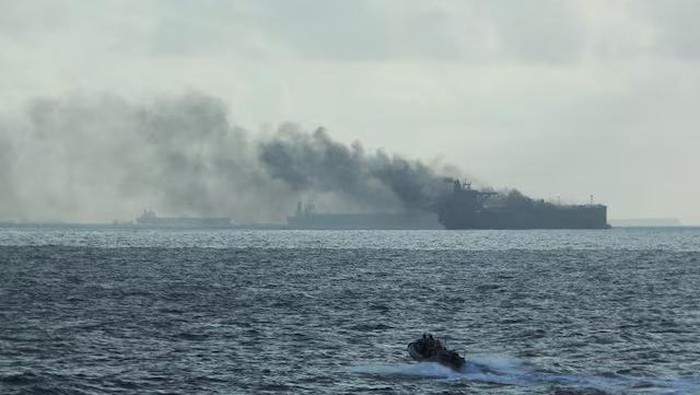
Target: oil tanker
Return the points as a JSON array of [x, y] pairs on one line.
[[466, 208]]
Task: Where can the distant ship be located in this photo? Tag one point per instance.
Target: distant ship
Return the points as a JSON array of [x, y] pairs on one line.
[[465, 208], [306, 218], [150, 219]]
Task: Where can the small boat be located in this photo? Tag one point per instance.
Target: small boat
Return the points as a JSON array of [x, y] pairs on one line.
[[430, 349]]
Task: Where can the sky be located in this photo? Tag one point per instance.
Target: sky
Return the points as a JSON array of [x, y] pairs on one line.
[[559, 99]]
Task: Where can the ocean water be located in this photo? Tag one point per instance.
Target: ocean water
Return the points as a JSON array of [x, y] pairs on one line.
[[97, 310]]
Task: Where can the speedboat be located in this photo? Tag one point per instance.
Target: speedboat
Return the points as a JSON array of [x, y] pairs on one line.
[[430, 349]]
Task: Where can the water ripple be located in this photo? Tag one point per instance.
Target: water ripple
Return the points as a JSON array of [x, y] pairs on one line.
[[330, 320]]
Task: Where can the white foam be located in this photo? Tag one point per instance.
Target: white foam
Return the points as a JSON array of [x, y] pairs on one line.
[[499, 369]]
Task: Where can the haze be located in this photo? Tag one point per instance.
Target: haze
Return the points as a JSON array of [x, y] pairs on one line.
[[109, 107]]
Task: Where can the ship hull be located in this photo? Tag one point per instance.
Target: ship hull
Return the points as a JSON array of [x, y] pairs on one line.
[[185, 222], [546, 217], [377, 221]]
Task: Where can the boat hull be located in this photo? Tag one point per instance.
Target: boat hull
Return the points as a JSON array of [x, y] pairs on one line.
[[444, 357]]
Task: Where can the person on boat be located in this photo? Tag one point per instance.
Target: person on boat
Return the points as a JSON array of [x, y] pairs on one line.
[[438, 345], [433, 346], [429, 344]]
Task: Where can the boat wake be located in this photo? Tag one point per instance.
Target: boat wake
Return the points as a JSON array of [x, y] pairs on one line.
[[508, 371]]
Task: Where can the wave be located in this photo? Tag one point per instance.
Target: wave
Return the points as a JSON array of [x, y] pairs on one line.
[[503, 370]]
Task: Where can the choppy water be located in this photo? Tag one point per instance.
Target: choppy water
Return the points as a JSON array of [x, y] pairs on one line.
[[100, 310]]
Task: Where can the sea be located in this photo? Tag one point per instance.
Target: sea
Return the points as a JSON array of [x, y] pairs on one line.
[[128, 310]]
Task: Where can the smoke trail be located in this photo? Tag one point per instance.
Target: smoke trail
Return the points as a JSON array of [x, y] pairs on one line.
[[97, 159], [104, 158], [316, 162]]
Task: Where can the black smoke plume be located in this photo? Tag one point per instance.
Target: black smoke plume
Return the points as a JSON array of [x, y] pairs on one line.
[[314, 162]]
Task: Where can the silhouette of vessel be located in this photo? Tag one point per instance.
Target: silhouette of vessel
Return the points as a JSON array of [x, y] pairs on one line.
[[465, 208], [150, 219], [306, 218]]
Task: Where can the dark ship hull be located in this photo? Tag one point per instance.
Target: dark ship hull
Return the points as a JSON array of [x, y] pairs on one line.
[[150, 219], [306, 218], [465, 209], [379, 221]]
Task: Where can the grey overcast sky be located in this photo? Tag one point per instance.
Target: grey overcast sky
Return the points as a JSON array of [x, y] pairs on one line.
[[555, 98]]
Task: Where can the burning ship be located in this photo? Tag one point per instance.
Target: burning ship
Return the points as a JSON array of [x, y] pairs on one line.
[[466, 208]]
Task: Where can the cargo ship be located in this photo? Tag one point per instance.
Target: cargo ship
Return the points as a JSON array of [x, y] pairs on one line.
[[466, 208], [306, 218], [150, 219]]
